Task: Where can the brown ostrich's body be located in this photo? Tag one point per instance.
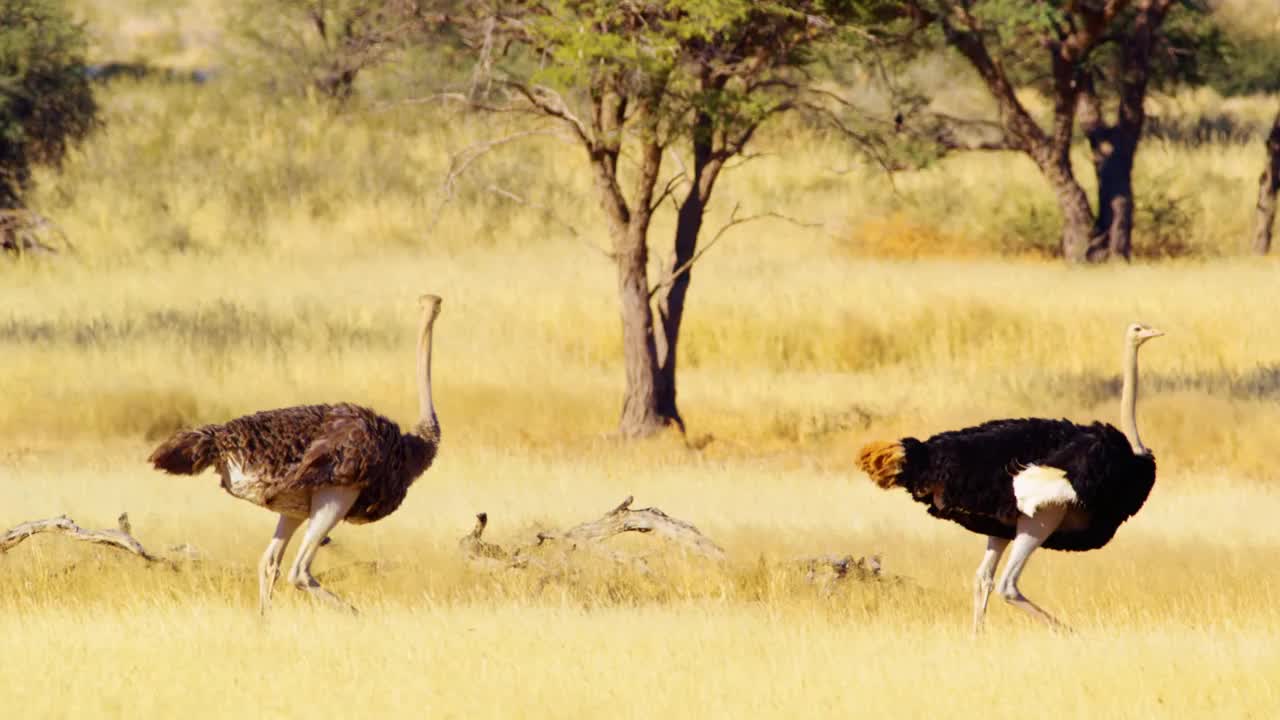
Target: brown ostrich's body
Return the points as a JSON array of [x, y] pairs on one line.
[[278, 458], [321, 463]]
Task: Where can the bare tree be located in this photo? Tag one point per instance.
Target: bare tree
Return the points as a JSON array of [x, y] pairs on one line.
[[1268, 184], [328, 43]]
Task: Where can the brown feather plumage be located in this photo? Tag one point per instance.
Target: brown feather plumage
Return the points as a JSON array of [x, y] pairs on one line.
[[186, 453], [290, 452]]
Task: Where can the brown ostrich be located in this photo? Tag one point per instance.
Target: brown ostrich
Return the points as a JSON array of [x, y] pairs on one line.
[[327, 463]]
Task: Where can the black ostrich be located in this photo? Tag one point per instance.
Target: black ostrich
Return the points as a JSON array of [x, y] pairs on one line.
[[1033, 481]]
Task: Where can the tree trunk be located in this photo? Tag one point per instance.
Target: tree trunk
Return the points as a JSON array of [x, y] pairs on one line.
[[680, 271], [1268, 184], [337, 83], [629, 227], [1077, 221], [1050, 150], [671, 302], [1077, 216], [1115, 146], [1113, 163], [641, 414]]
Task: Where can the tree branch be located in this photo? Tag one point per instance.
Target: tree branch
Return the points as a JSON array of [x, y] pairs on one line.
[[549, 102], [549, 212], [589, 535], [546, 209], [667, 191], [120, 538], [552, 552], [623, 519], [734, 221], [946, 133], [460, 161]]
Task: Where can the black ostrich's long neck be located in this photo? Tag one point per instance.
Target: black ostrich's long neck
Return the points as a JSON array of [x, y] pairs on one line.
[[1129, 400], [428, 426]]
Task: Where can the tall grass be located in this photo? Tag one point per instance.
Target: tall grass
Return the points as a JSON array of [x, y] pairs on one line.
[[237, 251]]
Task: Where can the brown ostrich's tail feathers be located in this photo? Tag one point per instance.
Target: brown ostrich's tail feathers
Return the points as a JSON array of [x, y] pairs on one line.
[[883, 462], [188, 452]]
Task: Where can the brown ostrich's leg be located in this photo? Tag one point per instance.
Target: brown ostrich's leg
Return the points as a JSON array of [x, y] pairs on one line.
[[328, 506], [985, 579], [269, 566], [1032, 531]]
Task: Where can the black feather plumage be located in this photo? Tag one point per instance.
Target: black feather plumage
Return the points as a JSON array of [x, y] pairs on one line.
[[966, 476]]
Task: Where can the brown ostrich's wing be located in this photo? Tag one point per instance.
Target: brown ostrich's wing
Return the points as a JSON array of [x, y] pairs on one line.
[[346, 448]]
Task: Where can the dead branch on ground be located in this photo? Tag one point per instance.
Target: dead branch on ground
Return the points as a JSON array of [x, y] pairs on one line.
[[589, 536], [623, 519], [825, 571], [120, 538]]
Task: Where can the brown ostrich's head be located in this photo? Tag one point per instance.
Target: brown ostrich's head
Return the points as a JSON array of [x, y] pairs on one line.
[[430, 304]]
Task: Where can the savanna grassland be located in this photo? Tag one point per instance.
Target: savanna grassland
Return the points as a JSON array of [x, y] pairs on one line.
[[237, 250]]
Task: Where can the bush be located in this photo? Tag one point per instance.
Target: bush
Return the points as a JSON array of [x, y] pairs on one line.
[[45, 100], [1252, 65]]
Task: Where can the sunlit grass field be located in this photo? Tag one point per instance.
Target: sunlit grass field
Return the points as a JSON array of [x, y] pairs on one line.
[[1175, 618], [236, 252]]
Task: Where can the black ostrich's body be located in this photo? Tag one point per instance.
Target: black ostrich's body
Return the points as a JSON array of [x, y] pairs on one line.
[[1028, 483], [966, 476]]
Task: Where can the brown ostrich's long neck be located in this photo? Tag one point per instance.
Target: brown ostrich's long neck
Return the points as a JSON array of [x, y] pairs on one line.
[[1129, 400], [428, 425]]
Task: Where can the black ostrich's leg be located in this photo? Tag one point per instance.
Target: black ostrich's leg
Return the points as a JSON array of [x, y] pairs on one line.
[[985, 579], [1032, 531]]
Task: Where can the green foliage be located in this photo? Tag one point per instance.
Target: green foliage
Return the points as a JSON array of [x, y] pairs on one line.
[[45, 99], [1189, 45], [709, 67], [1247, 63]]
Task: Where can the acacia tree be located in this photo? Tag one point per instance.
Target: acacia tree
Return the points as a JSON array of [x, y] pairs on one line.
[[634, 84], [45, 99], [1084, 54]]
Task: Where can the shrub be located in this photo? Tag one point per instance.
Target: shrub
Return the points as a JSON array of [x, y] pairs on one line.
[[45, 99]]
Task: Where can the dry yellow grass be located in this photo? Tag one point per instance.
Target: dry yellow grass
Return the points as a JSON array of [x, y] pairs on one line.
[[1176, 618], [240, 252]]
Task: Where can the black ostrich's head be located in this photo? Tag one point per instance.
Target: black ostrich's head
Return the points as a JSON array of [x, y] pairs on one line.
[[1138, 333]]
